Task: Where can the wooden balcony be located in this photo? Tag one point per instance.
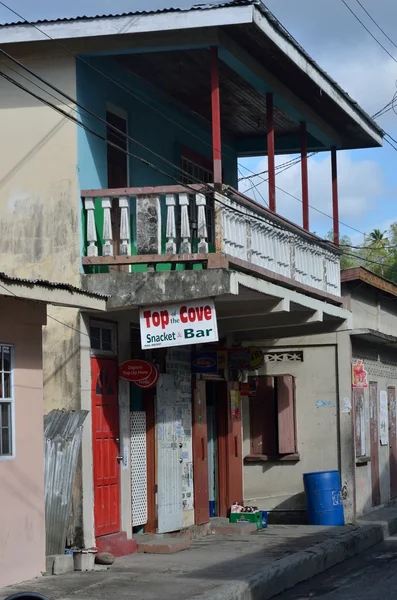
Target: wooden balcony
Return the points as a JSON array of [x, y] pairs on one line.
[[177, 227]]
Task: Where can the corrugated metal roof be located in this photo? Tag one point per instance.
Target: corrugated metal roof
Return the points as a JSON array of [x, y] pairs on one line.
[[140, 7], [48, 284]]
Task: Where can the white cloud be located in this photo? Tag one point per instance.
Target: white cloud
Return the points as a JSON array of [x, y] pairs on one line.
[[361, 184]]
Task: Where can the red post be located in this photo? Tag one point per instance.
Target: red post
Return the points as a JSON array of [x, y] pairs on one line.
[[271, 152], [335, 201], [305, 185], [216, 117]]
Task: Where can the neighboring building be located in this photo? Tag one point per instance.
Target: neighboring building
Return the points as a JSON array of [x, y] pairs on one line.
[[372, 301], [329, 401], [23, 313], [141, 204]]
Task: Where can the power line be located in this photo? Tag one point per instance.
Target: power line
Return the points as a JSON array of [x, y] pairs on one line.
[[377, 24], [369, 31], [120, 85], [205, 188], [91, 113], [287, 165], [98, 135]]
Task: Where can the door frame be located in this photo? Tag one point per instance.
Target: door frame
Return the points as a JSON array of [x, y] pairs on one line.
[[114, 361]]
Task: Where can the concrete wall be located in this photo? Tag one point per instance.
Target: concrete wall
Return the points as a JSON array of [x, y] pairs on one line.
[[22, 527], [278, 486], [40, 212], [372, 309]]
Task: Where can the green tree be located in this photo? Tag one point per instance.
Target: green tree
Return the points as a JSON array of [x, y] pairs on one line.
[[348, 257], [377, 249]]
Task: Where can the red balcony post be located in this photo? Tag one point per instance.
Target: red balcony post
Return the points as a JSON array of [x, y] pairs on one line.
[[305, 185], [335, 200], [271, 152], [216, 117]]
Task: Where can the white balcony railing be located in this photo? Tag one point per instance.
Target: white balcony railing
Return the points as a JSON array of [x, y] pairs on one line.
[[142, 225]]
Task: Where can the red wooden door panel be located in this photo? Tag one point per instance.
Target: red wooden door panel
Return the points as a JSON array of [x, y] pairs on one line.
[[234, 454], [105, 433], [374, 442], [200, 453], [391, 395]]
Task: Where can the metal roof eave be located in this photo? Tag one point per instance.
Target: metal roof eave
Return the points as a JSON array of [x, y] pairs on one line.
[[234, 12]]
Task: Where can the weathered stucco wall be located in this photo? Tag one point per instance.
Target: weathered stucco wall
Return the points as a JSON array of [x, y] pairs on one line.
[[39, 209], [372, 309], [278, 486], [22, 528], [40, 212]]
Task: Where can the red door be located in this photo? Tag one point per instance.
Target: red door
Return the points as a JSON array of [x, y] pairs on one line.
[[235, 458], [200, 453], [105, 432]]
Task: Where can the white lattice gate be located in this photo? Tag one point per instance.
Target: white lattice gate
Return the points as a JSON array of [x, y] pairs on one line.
[[138, 468]]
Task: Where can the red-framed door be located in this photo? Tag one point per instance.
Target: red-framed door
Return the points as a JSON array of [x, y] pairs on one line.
[[229, 449], [105, 445]]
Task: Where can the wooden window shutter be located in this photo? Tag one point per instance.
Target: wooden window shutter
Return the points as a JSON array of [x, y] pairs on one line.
[[286, 414], [262, 418]]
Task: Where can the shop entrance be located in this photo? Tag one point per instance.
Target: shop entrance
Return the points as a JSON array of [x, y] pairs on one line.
[[217, 443]]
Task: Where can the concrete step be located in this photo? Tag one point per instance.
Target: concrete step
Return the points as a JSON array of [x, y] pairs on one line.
[[221, 526], [158, 544], [117, 544]]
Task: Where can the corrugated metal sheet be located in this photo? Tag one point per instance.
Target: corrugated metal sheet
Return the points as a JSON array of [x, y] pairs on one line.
[[62, 436], [48, 284], [137, 8]]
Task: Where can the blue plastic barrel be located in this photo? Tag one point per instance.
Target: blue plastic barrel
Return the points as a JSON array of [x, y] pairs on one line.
[[324, 505]]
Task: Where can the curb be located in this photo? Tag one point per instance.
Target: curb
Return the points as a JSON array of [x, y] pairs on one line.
[[285, 573]]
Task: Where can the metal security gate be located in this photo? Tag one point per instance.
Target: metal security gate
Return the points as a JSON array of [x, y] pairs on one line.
[[170, 461]]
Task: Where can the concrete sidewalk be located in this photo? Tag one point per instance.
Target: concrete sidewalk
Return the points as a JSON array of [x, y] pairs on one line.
[[240, 567]]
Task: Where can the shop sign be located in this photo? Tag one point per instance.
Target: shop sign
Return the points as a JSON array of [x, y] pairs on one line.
[[235, 404], [239, 358], [135, 370], [246, 359], [178, 324], [205, 362], [150, 381], [359, 375], [140, 372]]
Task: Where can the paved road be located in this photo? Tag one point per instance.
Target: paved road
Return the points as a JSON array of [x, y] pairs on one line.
[[370, 576]]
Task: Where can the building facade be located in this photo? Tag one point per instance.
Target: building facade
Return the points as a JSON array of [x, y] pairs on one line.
[[126, 183], [23, 314]]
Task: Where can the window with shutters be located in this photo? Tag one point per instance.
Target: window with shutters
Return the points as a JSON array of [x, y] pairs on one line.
[[6, 402], [272, 419]]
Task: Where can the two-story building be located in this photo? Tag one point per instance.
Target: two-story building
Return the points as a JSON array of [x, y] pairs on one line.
[[121, 173]]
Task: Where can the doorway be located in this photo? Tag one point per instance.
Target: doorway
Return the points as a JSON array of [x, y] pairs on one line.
[[105, 445], [218, 460], [212, 434]]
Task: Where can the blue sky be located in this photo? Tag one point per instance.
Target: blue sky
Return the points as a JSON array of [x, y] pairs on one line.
[[328, 31]]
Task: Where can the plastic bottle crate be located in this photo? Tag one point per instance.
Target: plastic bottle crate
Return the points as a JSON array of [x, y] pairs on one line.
[[247, 518]]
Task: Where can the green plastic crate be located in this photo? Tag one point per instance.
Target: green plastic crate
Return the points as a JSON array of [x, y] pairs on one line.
[[247, 518]]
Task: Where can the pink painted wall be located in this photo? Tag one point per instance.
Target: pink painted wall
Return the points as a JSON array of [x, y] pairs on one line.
[[22, 527]]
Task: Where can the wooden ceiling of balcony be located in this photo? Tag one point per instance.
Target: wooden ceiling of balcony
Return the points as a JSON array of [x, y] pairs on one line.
[[185, 76]]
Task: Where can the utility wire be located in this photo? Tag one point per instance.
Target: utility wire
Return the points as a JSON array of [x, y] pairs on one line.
[[91, 113], [118, 84], [375, 23], [141, 100], [369, 31]]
